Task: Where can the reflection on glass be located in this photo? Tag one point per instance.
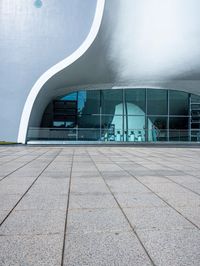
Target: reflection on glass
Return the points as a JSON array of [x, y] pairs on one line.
[[134, 128], [120, 115], [178, 129], [89, 102], [69, 97], [157, 128], [134, 101], [178, 103], [88, 127], [156, 102], [88, 121], [112, 102], [112, 128]]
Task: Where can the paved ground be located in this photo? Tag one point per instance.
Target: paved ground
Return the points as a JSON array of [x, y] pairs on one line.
[[99, 206]]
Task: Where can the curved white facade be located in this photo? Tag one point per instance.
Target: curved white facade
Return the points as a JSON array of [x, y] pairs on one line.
[[57, 68], [131, 43]]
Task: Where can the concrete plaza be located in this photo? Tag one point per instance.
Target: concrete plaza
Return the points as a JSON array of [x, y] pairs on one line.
[[99, 206]]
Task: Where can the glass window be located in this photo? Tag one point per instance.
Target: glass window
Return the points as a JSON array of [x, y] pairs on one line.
[[157, 128], [88, 121], [112, 128], [157, 102], [88, 127], [120, 115], [59, 123], [112, 102], [69, 97], [89, 102], [178, 103], [135, 101], [178, 122], [195, 98], [134, 128], [71, 118], [88, 134], [178, 129]]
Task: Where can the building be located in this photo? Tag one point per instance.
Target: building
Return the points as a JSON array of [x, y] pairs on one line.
[[100, 71]]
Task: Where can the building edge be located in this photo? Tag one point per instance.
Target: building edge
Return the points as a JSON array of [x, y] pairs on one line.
[[24, 121]]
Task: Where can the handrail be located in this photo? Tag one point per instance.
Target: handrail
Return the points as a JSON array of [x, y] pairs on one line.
[[109, 134]]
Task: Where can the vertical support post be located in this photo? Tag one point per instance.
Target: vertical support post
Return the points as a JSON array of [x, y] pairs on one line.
[[123, 106], [77, 131], [100, 119], [190, 118], [168, 115], [126, 113], [146, 119]]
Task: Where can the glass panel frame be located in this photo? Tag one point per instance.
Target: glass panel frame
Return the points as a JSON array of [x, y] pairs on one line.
[[134, 101], [122, 115], [112, 102], [178, 103], [89, 102]]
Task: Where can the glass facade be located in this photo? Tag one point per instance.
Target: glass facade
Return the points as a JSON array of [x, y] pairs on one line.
[[157, 102], [121, 115]]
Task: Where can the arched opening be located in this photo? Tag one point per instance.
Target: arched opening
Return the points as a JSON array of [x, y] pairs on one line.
[[119, 115]]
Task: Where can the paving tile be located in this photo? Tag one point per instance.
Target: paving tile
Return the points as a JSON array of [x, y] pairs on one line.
[[193, 186], [3, 215], [52, 181], [110, 167], [13, 180], [142, 172], [53, 187], [96, 220], [89, 188], [89, 169], [139, 200], [115, 174], [166, 187], [8, 201], [91, 201], [24, 173], [104, 249], [177, 247], [34, 222], [85, 173], [87, 180], [130, 186], [83, 165], [183, 179], [191, 212], [14, 188], [167, 172], [97, 231], [156, 218], [43, 201], [153, 179], [56, 174], [40, 250], [187, 198], [84, 176]]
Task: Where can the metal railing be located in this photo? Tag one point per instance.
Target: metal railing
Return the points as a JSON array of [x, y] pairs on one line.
[[108, 134]]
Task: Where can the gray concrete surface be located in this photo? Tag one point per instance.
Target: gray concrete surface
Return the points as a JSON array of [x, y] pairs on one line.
[[99, 206]]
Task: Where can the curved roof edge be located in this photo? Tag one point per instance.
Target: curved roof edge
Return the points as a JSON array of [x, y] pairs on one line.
[[58, 67]]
